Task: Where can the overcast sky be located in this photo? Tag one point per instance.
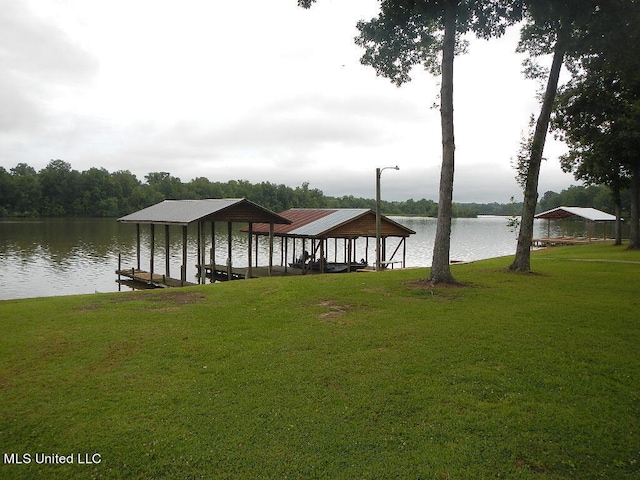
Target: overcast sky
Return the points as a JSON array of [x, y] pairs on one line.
[[256, 90]]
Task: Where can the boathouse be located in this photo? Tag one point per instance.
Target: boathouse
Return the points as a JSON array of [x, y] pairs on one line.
[[326, 238], [203, 212], [591, 217]]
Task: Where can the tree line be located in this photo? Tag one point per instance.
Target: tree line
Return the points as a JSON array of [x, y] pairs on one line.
[[60, 190]]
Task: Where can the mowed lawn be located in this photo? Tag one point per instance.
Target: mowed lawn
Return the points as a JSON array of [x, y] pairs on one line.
[[360, 376]]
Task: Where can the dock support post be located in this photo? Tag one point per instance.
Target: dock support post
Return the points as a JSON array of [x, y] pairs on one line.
[[366, 250], [250, 251], [202, 254], [213, 251], [183, 270], [286, 252], [256, 246], [282, 257], [138, 246], [152, 251], [404, 252], [270, 248], [229, 252], [303, 257], [384, 249], [167, 267]]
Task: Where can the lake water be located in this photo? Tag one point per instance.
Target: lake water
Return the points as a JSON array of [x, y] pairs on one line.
[[53, 256]]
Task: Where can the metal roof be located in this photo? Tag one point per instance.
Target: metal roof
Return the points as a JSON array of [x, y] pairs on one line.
[[590, 214], [328, 222], [320, 222], [184, 212]]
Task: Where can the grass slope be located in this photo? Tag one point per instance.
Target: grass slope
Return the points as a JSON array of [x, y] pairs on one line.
[[371, 376]]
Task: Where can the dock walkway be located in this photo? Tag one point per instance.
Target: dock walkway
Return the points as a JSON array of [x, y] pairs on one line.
[[564, 241], [157, 280], [220, 272]]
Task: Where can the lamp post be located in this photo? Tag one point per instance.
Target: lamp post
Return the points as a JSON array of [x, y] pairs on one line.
[[378, 215]]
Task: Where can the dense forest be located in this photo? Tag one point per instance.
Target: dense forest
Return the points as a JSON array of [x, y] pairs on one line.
[[59, 190]]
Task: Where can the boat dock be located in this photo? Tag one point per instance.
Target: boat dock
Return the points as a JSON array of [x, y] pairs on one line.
[[565, 241], [222, 272], [151, 279]]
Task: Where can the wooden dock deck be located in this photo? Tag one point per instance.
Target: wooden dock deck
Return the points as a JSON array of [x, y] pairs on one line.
[[157, 280], [565, 241], [220, 272]]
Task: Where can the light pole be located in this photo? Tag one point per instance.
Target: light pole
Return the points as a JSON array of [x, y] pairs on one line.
[[378, 215]]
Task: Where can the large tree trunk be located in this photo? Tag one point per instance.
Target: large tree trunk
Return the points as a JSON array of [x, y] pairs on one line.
[[440, 270], [634, 231], [522, 261]]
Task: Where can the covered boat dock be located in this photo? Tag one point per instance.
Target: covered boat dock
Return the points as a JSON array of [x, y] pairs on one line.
[[185, 212], [591, 216], [324, 240]]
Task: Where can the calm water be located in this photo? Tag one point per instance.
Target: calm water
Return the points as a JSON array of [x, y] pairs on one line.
[[48, 257]]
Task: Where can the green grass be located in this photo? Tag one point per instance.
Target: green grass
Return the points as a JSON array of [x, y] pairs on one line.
[[370, 376]]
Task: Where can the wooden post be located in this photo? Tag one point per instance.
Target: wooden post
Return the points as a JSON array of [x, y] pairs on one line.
[[293, 257], [202, 254], [256, 245], [384, 249], [119, 268], [282, 250], [183, 269], [138, 246], [213, 250], [404, 252], [167, 267], [270, 248], [249, 250], [355, 249], [152, 251], [198, 250], [229, 252], [285, 241], [322, 240], [302, 255], [366, 250]]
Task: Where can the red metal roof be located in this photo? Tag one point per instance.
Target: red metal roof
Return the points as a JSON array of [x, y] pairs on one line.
[[298, 218]]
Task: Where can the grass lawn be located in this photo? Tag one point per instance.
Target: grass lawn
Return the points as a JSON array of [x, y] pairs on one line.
[[360, 376]]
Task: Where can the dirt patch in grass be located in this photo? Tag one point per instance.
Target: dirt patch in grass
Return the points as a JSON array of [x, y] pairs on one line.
[[427, 285], [172, 298], [180, 297], [333, 311], [441, 291]]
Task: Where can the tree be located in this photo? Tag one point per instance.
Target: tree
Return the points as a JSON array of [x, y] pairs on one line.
[[59, 184], [564, 28], [166, 185], [598, 113], [411, 32]]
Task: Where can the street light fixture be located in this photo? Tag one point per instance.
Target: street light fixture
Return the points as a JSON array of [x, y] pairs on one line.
[[378, 215]]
